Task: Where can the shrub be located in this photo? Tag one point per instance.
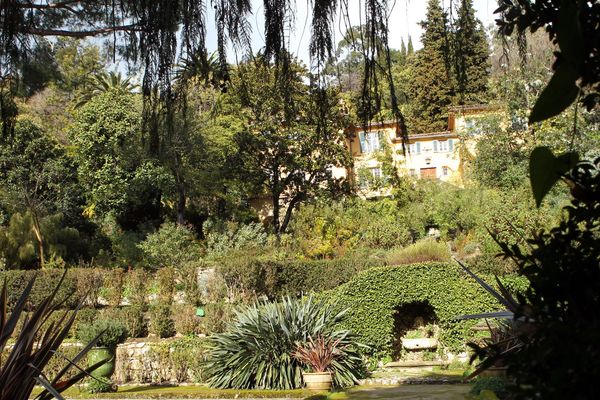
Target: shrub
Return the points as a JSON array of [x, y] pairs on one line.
[[419, 252], [161, 323], [170, 246], [495, 384], [89, 282], [100, 385], [45, 283], [188, 276], [165, 285], [114, 332], [185, 320], [137, 286], [223, 237], [132, 317], [114, 283], [373, 296], [85, 316], [256, 350], [251, 277], [188, 358]]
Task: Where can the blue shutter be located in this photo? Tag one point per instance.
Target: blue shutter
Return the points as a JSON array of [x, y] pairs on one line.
[[435, 146], [418, 147], [363, 143], [450, 145]]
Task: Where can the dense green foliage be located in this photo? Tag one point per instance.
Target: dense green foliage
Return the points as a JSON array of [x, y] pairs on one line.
[[256, 349], [372, 297], [433, 87], [562, 298], [112, 332], [470, 56]]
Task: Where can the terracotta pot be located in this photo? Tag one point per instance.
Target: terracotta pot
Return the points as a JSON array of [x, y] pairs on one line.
[[318, 380]]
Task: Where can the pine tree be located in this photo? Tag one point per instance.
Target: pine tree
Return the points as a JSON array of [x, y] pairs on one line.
[[471, 55], [411, 50], [433, 85]]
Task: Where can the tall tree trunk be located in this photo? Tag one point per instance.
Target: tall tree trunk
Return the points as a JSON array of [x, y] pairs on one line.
[[37, 231], [290, 209], [276, 212], [181, 202]]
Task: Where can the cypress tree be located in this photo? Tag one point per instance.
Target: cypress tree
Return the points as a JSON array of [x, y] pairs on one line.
[[472, 56], [433, 84], [402, 52], [411, 50]]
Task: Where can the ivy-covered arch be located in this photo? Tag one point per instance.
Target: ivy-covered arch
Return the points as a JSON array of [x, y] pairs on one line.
[[372, 296]]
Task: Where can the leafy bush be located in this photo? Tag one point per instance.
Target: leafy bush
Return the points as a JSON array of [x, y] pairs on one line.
[[165, 285], [136, 287], [251, 277], [256, 350], [223, 237], [188, 358], [100, 385], [89, 282], [188, 276], [495, 384], [114, 332], [185, 320], [161, 323], [170, 246], [372, 296], [132, 317], [419, 252], [556, 320], [114, 284]]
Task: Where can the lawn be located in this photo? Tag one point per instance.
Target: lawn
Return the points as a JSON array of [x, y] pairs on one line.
[[184, 392], [407, 392]]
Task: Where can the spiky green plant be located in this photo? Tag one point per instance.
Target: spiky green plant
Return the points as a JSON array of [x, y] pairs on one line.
[[35, 345], [256, 351]]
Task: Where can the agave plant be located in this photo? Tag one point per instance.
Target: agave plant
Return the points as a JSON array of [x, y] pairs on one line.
[[35, 345], [256, 351]]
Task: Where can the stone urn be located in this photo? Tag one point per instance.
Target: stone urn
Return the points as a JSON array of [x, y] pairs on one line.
[[320, 381], [97, 354]]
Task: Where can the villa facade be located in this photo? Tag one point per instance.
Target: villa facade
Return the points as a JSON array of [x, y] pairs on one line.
[[432, 155]]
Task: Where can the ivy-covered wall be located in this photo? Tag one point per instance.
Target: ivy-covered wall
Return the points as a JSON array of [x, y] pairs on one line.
[[372, 296]]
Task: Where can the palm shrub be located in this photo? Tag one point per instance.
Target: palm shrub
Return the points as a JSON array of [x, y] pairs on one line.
[[35, 346], [256, 351]]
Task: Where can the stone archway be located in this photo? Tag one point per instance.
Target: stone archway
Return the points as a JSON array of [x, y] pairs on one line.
[[407, 317]]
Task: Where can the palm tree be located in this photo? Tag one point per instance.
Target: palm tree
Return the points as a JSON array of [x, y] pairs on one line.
[[106, 82]]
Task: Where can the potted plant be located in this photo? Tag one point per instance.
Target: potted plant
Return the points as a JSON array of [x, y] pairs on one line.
[[318, 356], [111, 333]]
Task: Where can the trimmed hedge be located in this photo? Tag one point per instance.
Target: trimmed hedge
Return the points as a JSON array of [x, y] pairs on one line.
[[264, 276], [372, 296]]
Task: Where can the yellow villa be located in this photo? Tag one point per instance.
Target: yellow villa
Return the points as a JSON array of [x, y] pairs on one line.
[[432, 155]]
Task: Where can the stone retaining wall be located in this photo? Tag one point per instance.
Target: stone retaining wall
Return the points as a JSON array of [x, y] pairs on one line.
[[154, 361]]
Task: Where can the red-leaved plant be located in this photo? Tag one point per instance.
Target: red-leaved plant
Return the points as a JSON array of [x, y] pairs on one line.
[[318, 354]]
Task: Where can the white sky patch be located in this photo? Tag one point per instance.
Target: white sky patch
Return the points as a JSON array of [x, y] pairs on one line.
[[403, 21]]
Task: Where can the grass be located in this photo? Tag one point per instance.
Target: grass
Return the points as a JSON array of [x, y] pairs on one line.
[[454, 375], [421, 251], [183, 392], [404, 392]]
